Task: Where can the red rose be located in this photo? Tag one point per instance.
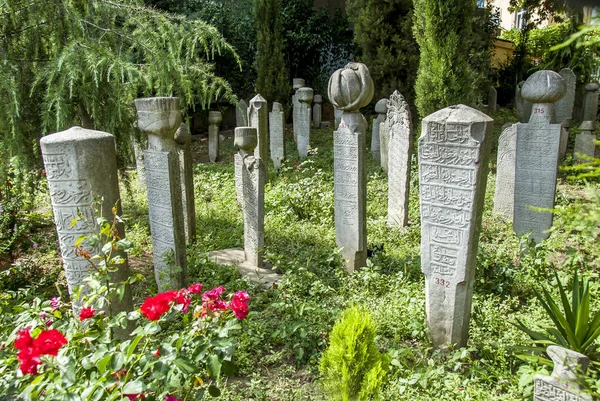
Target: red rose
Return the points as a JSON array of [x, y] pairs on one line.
[[183, 299], [213, 294], [86, 313], [239, 304], [47, 343], [154, 307], [195, 288]]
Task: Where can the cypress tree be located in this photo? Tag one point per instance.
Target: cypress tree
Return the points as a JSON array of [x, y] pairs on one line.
[[272, 81], [442, 30]]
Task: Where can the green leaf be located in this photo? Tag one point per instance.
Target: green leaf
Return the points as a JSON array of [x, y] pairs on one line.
[[213, 365], [134, 387], [214, 391], [124, 244], [103, 363], [133, 345], [185, 365]]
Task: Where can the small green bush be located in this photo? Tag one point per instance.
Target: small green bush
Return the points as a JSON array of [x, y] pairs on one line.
[[352, 366]]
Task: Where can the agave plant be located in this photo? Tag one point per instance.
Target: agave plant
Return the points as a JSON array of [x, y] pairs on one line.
[[574, 328]]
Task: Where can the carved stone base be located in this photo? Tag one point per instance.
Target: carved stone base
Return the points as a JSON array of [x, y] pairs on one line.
[[235, 257]]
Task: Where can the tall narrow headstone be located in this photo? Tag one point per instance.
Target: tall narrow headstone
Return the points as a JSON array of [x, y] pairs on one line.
[[253, 182], [400, 149], [241, 114], [563, 384], [523, 105], [304, 96], [317, 111], [537, 156], [183, 138], [454, 149], [276, 124], [504, 196], [214, 121], [258, 117], [350, 88], [138, 153], [337, 116], [81, 164], [492, 99], [384, 144], [585, 141], [380, 109], [590, 107], [159, 118], [563, 109], [297, 83]]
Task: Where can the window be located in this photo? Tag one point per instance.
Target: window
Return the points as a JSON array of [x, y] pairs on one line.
[[521, 19]]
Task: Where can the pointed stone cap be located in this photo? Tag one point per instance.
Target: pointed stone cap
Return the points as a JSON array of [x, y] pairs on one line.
[[544, 87], [381, 106], [351, 87], [305, 95], [246, 138], [158, 115], [215, 117], [298, 83], [318, 99], [182, 135], [277, 107], [258, 102]]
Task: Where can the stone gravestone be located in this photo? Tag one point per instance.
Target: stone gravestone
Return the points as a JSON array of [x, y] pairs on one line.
[[214, 120], [297, 83], [138, 153], [585, 141], [350, 88], [454, 149], [183, 138], [563, 384], [563, 109], [304, 97], [241, 114], [523, 105], [400, 149], [317, 111], [380, 109], [537, 156], [276, 125], [384, 144], [492, 99], [504, 196], [590, 106], [81, 164], [337, 116], [159, 118]]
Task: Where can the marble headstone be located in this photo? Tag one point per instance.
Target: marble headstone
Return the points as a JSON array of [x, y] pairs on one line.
[[505, 172], [138, 153], [381, 110], [590, 108], [563, 383], [384, 144], [258, 117], [183, 138], [297, 83], [400, 149], [454, 149], [241, 114], [317, 111], [276, 125], [563, 109], [304, 97], [214, 121]]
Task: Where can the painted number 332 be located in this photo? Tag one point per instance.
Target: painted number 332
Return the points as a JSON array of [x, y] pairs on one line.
[[442, 282]]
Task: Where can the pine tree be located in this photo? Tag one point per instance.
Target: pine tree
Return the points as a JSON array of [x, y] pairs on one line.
[[272, 81], [83, 62], [383, 33], [442, 30]]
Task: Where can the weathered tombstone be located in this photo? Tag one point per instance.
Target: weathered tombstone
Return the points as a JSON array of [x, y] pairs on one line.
[[563, 384], [258, 117], [183, 138], [563, 109], [241, 114], [317, 111], [384, 144], [585, 145], [590, 107], [537, 156], [276, 124], [237, 169], [350, 88], [159, 118], [380, 109], [138, 153], [214, 120], [400, 149], [253, 182], [492, 99], [338, 117], [304, 97], [454, 149], [297, 83], [504, 196], [81, 164], [523, 105], [585, 141]]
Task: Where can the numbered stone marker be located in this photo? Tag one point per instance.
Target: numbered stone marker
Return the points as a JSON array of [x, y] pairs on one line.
[[276, 124], [504, 196], [159, 118], [183, 138], [81, 164], [381, 110], [350, 89], [563, 384], [563, 109], [537, 156], [304, 96], [454, 149], [214, 121], [241, 114], [317, 111], [400, 149]]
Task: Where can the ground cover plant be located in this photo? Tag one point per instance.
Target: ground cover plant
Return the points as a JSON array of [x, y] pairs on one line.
[[288, 327]]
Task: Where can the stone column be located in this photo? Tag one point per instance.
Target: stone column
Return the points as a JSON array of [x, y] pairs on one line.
[[563, 109], [297, 83], [492, 99], [454, 149], [380, 109], [504, 196], [214, 120], [81, 165], [523, 105], [563, 384], [276, 125], [253, 182], [183, 138], [159, 118], [350, 88], [537, 156], [400, 149], [317, 111], [241, 114], [584, 141], [304, 97], [258, 117]]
